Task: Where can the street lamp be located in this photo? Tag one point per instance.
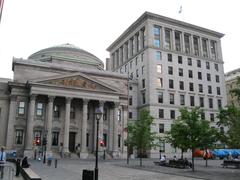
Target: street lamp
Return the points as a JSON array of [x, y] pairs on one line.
[[98, 114]]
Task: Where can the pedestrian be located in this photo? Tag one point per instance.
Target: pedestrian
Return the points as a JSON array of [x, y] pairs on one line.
[[25, 163], [61, 150], [78, 149], [163, 160], [2, 160]]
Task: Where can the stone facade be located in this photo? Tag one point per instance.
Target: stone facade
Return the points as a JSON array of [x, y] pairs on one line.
[[53, 96], [172, 64]]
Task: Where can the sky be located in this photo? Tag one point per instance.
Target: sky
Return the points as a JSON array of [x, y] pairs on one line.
[[28, 26]]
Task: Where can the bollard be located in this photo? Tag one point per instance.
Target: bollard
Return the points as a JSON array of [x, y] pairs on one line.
[[56, 163], [17, 167]]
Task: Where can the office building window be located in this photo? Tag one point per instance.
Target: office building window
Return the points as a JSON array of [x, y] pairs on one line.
[[200, 75], [171, 98], [217, 79], [169, 57], [208, 77], [180, 71], [105, 139], [119, 140], [209, 89], [200, 88], [142, 70], [160, 97], [211, 117], [172, 114], [87, 139], [187, 43], [201, 101], [213, 49], [179, 59], [204, 48], [161, 128], [171, 84], [130, 87], [182, 99], [142, 57], [195, 46], [105, 114], [157, 43], [161, 113], [137, 73], [55, 138], [39, 109], [207, 65], [130, 100], [177, 41], [190, 74], [218, 91], [119, 115], [157, 33], [199, 63], [170, 70], [143, 83], [219, 102], [143, 98], [130, 115], [216, 67], [210, 102], [191, 86], [181, 85], [190, 61], [21, 108], [19, 136], [158, 55], [192, 103], [202, 115], [167, 39], [159, 82], [159, 68]]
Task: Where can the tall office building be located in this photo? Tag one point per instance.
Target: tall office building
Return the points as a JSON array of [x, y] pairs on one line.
[[172, 64]]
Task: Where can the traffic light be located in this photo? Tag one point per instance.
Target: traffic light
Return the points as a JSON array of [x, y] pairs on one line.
[[37, 141], [102, 144]]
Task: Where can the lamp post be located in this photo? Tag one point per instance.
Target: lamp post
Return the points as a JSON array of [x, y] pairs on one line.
[[98, 114]]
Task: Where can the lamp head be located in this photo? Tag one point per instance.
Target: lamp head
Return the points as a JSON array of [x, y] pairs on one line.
[[98, 113]]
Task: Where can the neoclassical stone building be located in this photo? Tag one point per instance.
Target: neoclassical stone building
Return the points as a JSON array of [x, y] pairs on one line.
[[54, 94]]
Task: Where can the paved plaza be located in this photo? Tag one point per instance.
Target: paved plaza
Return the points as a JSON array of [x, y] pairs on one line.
[[71, 169]]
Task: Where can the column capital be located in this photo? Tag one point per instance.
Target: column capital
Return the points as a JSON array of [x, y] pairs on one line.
[[13, 97], [85, 101], [68, 99], [101, 103], [116, 104], [51, 98], [33, 97]]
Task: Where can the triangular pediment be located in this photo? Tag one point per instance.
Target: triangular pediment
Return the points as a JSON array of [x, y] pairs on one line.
[[80, 81]]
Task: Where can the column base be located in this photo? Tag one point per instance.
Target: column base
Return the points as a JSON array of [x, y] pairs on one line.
[[84, 155], [28, 153], [115, 154]]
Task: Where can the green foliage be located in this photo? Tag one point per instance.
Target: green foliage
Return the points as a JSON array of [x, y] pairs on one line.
[[236, 91], [140, 136], [230, 117], [189, 131]]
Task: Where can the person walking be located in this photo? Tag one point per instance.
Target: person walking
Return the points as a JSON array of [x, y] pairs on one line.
[[61, 150], [78, 150], [2, 160]]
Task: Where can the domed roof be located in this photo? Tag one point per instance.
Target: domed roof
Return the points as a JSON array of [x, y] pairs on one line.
[[67, 52]]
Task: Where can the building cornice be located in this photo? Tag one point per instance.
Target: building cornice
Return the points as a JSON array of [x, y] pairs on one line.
[[152, 16]]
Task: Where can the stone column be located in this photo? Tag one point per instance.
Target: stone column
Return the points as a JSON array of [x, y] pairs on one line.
[[49, 122], [191, 45], [200, 49], [29, 136], [173, 47], [182, 42], [66, 127], [11, 119], [115, 130], [84, 153], [101, 106]]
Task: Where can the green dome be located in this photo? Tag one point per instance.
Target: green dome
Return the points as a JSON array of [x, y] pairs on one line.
[[67, 52]]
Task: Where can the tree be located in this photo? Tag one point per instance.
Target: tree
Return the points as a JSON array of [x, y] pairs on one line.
[[189, 131], [230, 117], [140, 136]]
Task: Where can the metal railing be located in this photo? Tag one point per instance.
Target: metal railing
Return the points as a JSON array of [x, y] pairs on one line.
[[6, 172]]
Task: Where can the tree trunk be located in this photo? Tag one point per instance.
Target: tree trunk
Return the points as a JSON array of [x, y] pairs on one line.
[[182, 154], [193, 159], [140, 159], [206, 162]]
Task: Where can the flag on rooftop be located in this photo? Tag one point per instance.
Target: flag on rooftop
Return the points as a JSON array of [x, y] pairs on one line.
[[180, 10]]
